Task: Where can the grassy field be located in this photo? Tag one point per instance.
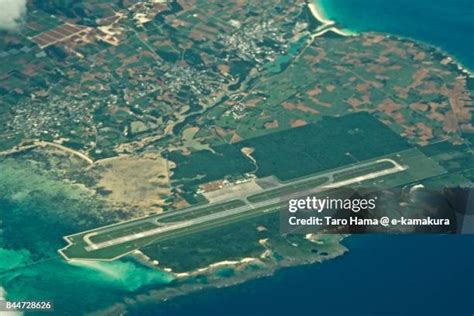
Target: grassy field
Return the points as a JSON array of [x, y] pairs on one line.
[[288, 189], [202, 211], [78, 249]]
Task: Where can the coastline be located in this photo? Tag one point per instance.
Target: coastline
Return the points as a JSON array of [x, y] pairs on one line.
[[320, 13], [321, 284], [245, 269], [450, 59], [246, 265], [155, 296], [327, 25]]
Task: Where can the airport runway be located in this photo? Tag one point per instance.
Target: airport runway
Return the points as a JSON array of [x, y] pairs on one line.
[[262, 207]]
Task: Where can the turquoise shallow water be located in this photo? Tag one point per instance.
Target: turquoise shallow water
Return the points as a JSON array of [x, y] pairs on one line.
[[32, 223], [74, 288], [411, 275], [446, 24]]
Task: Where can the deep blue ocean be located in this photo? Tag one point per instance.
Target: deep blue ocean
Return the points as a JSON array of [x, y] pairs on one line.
[[448, 24], [381, 275]]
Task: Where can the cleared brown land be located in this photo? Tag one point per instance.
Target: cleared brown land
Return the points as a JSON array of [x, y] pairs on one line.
[[57, 34], [137, 182]]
